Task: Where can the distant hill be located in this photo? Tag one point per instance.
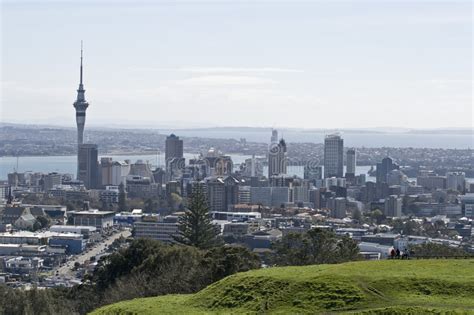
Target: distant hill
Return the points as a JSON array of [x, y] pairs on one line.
[[368, 287]]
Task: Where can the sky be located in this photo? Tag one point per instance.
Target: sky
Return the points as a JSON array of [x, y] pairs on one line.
[[302, 64]]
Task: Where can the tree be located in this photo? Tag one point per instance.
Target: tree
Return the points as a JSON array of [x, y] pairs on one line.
[[223, 261], [377, 216], [122, 202], [316, 246], [149, 268], [357, 216], [430, 230], [397, 225], [347, 249], [36, 226], [195, 227], [437, 250], [411, 228], [175, 201], [43, 221], [150, 206]]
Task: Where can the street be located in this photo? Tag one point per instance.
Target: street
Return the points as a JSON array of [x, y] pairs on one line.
[[66, 272]]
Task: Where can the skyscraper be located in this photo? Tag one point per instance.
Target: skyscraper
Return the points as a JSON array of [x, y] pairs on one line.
[[393, 206], [456, 181], [88, 170], [350, 163], [174, 161], [274, 138], [333, 156], [384, 168], [173, 147], [277, 159], [80, 105]]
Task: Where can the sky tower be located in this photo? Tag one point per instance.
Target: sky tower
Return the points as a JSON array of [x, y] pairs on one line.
[[80, 105]]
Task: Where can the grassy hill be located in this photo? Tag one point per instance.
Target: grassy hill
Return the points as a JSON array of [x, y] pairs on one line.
[[368, 287]]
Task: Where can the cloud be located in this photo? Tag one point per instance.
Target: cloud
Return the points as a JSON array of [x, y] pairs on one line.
[[221, 70], [239, 70], [224, 80]]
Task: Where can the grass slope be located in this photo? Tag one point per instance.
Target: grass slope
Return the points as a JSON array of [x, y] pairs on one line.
[[368, 287]]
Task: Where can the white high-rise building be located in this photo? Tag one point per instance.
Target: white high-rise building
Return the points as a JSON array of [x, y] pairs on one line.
[[120, 171], [113, 173]]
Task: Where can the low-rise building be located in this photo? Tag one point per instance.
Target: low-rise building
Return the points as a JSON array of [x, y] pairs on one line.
[[235, 229], [23, 265], [127, 218], [235, 216], [381, 238], [86, 231], [99, 219], [11, 213], [73, 243], [159, 230]]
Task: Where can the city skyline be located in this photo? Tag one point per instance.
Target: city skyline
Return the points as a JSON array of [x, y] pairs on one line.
[[327, 143], [175, 78]]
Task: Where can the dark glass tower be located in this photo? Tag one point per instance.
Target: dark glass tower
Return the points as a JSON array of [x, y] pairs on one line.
[[88, 165]]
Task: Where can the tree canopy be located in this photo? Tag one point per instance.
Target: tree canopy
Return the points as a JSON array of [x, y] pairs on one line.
[[195, 226], [316, 246]]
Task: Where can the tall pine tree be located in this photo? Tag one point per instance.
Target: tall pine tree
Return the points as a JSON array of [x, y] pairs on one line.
[[195, 227]]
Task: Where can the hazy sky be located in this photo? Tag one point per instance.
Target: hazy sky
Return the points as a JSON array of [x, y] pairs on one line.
[[310, 64]]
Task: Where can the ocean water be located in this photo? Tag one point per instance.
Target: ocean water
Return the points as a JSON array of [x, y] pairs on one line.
[[351, 139], [68, 163]]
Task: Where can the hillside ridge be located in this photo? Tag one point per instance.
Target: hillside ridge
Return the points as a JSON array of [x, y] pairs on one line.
[[366, 287]]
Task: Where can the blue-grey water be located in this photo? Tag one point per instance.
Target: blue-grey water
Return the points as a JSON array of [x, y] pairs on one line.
[[351, 139], [67, 164]]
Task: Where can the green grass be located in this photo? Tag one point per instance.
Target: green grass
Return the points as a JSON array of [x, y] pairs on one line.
[[368, 287]]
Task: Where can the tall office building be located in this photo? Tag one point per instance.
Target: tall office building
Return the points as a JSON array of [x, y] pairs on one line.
[[222, 192], [313, 173], [350, 163], [88, 165], [277, 159], [50, 180], [384, 168], [456, 181], [393, 206], [81, 106], [106, 164], [338, 207], [113, 173], [174, 161], [174, 148], [274, 138], [333, 156], [252, 167]]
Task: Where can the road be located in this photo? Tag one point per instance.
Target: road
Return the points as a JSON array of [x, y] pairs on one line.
[[66, 272]]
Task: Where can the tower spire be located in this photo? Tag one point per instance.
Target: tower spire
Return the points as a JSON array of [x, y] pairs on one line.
[[81, 65]]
